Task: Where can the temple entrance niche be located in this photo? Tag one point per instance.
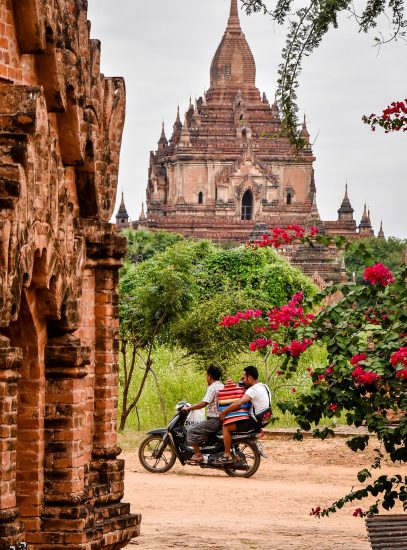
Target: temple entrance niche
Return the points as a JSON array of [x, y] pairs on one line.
[[247, 205]]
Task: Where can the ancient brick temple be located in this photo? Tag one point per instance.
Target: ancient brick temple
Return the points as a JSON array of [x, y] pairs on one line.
[[227, 173], [60, 135]]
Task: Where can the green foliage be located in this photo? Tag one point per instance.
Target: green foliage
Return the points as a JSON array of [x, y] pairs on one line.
[[198, 331], [262, 275], [192, 284], [180, 377], [143, 244], [177, 297], [387, 251], [153, 294], [368, 319], [307, 25]]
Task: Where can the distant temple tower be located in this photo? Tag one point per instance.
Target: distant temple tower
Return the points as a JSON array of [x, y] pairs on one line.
[[227, 173], [365, 226], [122, 218], [227, 167]]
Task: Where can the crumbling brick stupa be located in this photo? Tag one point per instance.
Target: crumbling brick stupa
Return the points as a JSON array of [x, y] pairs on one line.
[[61, 123]]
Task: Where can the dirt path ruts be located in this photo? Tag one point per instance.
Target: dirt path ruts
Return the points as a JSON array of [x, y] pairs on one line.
[[191, 508]]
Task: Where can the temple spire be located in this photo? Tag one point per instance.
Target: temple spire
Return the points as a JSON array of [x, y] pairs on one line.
[[365, 226], [345, 212], [142, 213], [304, 131], [185, 138], [233, 23], [162, 142], [380, 235], [233, 65], [122, 217]]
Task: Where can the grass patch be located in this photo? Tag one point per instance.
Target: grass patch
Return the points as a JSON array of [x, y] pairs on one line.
[[178, 377]]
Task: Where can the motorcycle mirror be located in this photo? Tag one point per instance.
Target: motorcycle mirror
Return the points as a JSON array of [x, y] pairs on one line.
[[182, 404]]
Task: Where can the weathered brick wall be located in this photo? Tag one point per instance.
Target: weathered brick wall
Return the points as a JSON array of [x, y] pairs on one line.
[[60, 133]]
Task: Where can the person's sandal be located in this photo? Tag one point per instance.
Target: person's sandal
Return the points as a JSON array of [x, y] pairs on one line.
[[193, 461]]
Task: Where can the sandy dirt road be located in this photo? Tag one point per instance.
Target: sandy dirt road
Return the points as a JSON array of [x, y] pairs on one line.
[[191, 508]]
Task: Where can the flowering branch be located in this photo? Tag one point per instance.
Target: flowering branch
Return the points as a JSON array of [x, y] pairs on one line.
[[364, 379], [393, 118]]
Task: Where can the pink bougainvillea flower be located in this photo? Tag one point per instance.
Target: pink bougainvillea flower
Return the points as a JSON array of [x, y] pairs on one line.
[[356, 359], [358, 512], [365, 377], [293, 390], [399, 356], [378, 274], [332, 407]]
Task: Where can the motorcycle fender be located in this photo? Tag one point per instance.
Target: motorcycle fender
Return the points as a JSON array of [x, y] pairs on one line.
[[160, 431], [260, 449]]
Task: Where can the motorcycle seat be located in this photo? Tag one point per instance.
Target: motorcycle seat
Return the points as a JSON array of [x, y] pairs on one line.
[[239, 435]]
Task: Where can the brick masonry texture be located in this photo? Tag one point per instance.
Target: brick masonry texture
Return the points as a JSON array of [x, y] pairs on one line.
[[61, 125]]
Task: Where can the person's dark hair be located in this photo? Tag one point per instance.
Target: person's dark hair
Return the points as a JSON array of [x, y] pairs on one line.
[[252, 371], [214, 371]]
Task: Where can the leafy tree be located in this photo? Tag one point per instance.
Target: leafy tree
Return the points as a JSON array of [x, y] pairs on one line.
[[387, 251], [261, 274], [307, 26], [234, 279], [152, 295], [175, 298], [143, 244]]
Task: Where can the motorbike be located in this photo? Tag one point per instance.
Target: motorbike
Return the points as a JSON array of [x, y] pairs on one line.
[[161, 448]]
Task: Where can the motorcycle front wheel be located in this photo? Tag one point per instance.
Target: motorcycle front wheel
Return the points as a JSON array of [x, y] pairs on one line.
[[153, 457], [247, 453]]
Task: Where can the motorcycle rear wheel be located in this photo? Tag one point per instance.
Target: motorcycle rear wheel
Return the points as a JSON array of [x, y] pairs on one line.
[[148, 452], [252, 459]]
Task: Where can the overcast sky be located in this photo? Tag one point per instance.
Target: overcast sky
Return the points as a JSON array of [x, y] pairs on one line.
[[164, 48]]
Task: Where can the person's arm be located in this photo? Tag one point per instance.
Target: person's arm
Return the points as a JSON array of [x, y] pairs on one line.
[[200, 405], [234, 406]]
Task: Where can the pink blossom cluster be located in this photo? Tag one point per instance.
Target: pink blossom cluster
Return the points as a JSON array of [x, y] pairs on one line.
[[260, 343], [356, 359], [400, 357], [294, 348], [317, 512], [283, 235], [358, 513], [230, 320], [289, 314], [392, 119], [378, 273], [365, 377]]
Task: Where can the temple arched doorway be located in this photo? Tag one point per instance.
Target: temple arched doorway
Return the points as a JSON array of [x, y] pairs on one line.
[[247, 205]]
